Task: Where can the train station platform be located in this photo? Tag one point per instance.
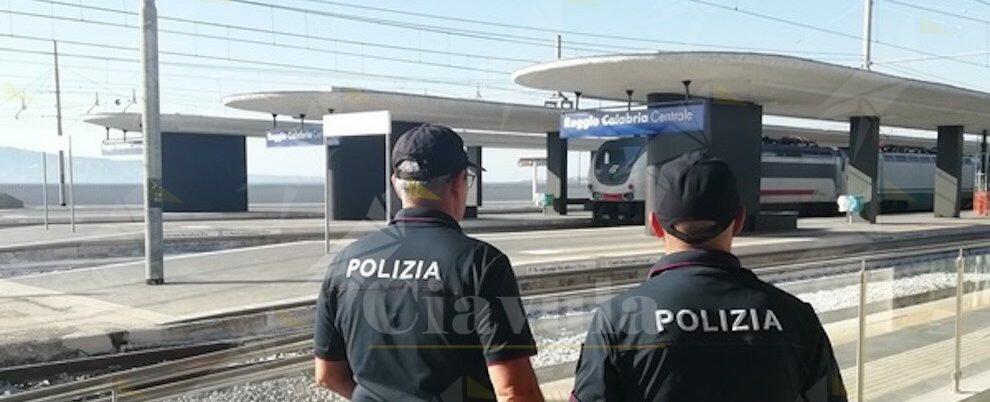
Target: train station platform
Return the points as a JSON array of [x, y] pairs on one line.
[[34, 216], [27, 249], [50, 307]]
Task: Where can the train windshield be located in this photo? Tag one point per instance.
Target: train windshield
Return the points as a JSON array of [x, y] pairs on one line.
[[614, 160]]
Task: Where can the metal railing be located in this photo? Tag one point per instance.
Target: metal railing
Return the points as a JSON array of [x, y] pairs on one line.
[[962, 288]]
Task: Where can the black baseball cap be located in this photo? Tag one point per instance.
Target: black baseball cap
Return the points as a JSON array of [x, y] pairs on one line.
[[429, 151], [696, 187]]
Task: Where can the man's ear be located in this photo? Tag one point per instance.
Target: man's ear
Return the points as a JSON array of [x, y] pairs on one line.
[[456, 181], [740, 222], [654, 223]]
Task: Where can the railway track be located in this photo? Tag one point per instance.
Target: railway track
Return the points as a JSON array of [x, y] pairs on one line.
[[227, 364]]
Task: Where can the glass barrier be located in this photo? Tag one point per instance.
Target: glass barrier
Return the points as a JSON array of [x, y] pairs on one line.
[[975, 356], [907, 323]]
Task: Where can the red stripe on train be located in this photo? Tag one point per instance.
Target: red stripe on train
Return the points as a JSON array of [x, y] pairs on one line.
[[787, 192]]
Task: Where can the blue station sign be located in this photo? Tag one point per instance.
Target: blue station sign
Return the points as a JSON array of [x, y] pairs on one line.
[[293, 137], [667, 119], [117, 147]]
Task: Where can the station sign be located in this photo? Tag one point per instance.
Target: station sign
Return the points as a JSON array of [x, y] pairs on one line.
[[293, 137], [654, 120], [357, 124], [120, 146]]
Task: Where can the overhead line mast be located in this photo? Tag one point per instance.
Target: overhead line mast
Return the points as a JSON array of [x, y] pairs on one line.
[[867, 33]]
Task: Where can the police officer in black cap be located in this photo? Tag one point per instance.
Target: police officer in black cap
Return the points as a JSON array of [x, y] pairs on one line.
[[702, 327], [418, 311]]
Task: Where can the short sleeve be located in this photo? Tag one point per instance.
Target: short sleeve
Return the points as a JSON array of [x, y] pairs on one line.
[[824, 383], [596, 377], [328, 341], [500, 320]]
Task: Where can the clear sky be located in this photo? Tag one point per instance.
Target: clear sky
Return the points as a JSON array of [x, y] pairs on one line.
[[320, 43]]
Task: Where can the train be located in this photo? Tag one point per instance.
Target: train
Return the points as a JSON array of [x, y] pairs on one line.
[[797, 175]]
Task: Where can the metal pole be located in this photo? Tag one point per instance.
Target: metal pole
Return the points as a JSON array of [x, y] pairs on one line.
[[72, 190], [560, 47], [536, 178], [388, 177], [983, 154], [957, 373], [58, 121], [579, 168], [326, 197], [861, 337], [151, 122], [867, 33], [44, 184]]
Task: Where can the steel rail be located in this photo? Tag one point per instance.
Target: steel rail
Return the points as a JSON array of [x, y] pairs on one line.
[[157, 373]]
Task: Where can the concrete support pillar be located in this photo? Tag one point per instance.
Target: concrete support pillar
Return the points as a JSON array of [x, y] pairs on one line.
[[734, 134], [357, 171], [204, 173], [557, 171], [862, 170], [948, 172], [983, 152], [474, 194]]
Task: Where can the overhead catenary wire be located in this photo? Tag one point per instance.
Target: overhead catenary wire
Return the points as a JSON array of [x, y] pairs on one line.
[[226, 77], [285, 66], [653, 41], [486, 35], [491, 36], [126, 13], [939, 12], [826, 30], [268, 31], [263, 43]]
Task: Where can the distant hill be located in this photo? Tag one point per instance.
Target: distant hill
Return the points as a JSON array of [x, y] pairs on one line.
[[24, 166], [19, 166]]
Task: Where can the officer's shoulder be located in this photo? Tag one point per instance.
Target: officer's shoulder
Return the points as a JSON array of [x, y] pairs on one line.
[[483, 250], [781, 295], [613, 306], [363, 243], [784, 299], [362, 246]]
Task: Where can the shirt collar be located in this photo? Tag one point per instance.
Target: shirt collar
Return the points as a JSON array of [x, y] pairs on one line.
[[705, 258], [424, 215]]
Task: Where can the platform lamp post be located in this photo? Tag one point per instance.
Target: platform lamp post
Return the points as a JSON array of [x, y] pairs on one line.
[[151, 122]]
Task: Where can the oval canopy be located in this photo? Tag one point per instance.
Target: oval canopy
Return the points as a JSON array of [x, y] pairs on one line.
[[473, 114], [783, 85]]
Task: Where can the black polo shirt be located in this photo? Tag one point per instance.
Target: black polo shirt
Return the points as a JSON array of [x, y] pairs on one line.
[[702, 328], [418, 309]]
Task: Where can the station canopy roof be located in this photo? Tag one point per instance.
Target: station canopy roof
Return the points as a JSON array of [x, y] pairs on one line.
[[472, 114], [838, 139], [219, 125], [783, 85]]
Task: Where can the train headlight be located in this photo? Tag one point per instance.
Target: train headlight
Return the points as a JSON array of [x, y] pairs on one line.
[[596, 195], [628, 196]]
